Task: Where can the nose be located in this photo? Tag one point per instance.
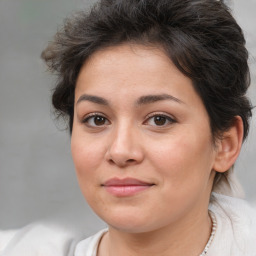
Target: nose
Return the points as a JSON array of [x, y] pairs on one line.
[[125, 147]]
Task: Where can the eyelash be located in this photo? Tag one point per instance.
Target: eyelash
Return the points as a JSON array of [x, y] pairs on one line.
[[168, 119], [90, 116]]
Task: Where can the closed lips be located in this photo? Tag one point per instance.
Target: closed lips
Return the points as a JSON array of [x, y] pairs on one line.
[[126, 182], [126, 187]]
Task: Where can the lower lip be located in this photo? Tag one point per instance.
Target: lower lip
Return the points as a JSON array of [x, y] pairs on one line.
[[127, 190]]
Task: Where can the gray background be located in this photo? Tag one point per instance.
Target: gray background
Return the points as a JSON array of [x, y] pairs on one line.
[[37, 177]]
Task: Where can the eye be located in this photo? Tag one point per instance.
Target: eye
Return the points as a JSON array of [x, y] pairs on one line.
[[159, 120], [96, 120]]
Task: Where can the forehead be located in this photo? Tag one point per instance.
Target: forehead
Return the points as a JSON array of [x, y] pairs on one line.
[[115, 54], [132, 67]]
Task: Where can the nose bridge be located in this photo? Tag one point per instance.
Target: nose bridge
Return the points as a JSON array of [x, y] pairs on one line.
[[124, 146]]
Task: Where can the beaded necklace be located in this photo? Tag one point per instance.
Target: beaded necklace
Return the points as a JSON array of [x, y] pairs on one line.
[[214, 227]]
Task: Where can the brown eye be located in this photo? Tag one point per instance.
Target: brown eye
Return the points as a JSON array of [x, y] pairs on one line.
[[99, 120], [95, 121], [160, 120]]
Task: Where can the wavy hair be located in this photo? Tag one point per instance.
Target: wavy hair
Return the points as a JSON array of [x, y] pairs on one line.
[[201, 37]]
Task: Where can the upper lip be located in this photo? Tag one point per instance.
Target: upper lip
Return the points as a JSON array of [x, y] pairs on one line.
[[126, 182]]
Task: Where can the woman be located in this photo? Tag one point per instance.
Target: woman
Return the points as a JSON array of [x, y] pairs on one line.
[[154, 91]]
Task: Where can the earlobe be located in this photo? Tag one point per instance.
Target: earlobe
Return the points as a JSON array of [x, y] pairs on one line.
[[229, 146]]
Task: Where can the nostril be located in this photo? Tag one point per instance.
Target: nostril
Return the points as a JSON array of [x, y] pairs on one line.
[[111, 161], [130, 160], [122, 163]]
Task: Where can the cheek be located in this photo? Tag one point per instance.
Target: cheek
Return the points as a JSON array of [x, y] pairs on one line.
[[183, 159], [184, 166], [87, 156]]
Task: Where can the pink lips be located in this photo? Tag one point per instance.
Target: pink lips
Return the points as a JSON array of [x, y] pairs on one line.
[[125, 187]]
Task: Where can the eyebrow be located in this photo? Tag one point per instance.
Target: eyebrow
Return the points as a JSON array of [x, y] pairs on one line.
[[154, 98], [147, 99], [92, 98]]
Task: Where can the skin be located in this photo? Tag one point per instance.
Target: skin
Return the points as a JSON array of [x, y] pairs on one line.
[[177, 156]]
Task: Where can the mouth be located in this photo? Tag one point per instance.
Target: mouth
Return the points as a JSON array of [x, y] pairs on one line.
[[126, 187]]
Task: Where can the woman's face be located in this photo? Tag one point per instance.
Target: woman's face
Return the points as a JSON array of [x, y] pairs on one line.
[[141, 140]]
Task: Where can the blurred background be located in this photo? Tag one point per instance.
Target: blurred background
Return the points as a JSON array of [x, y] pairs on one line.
[[37, 177]]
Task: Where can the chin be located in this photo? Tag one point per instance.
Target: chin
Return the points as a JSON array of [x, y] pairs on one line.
[[131, 222], [126, 221], [133, 228]]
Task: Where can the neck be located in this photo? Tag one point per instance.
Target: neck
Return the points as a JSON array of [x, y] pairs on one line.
[[187, 237]]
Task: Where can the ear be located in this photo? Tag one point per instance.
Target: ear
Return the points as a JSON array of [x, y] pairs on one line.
[[229, 146]]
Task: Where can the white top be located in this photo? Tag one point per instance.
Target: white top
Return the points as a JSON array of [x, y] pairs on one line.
[[235, 235], [36, 240], [236, 227]]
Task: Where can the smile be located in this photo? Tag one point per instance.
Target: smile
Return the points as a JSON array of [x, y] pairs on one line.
[[126, 187]]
